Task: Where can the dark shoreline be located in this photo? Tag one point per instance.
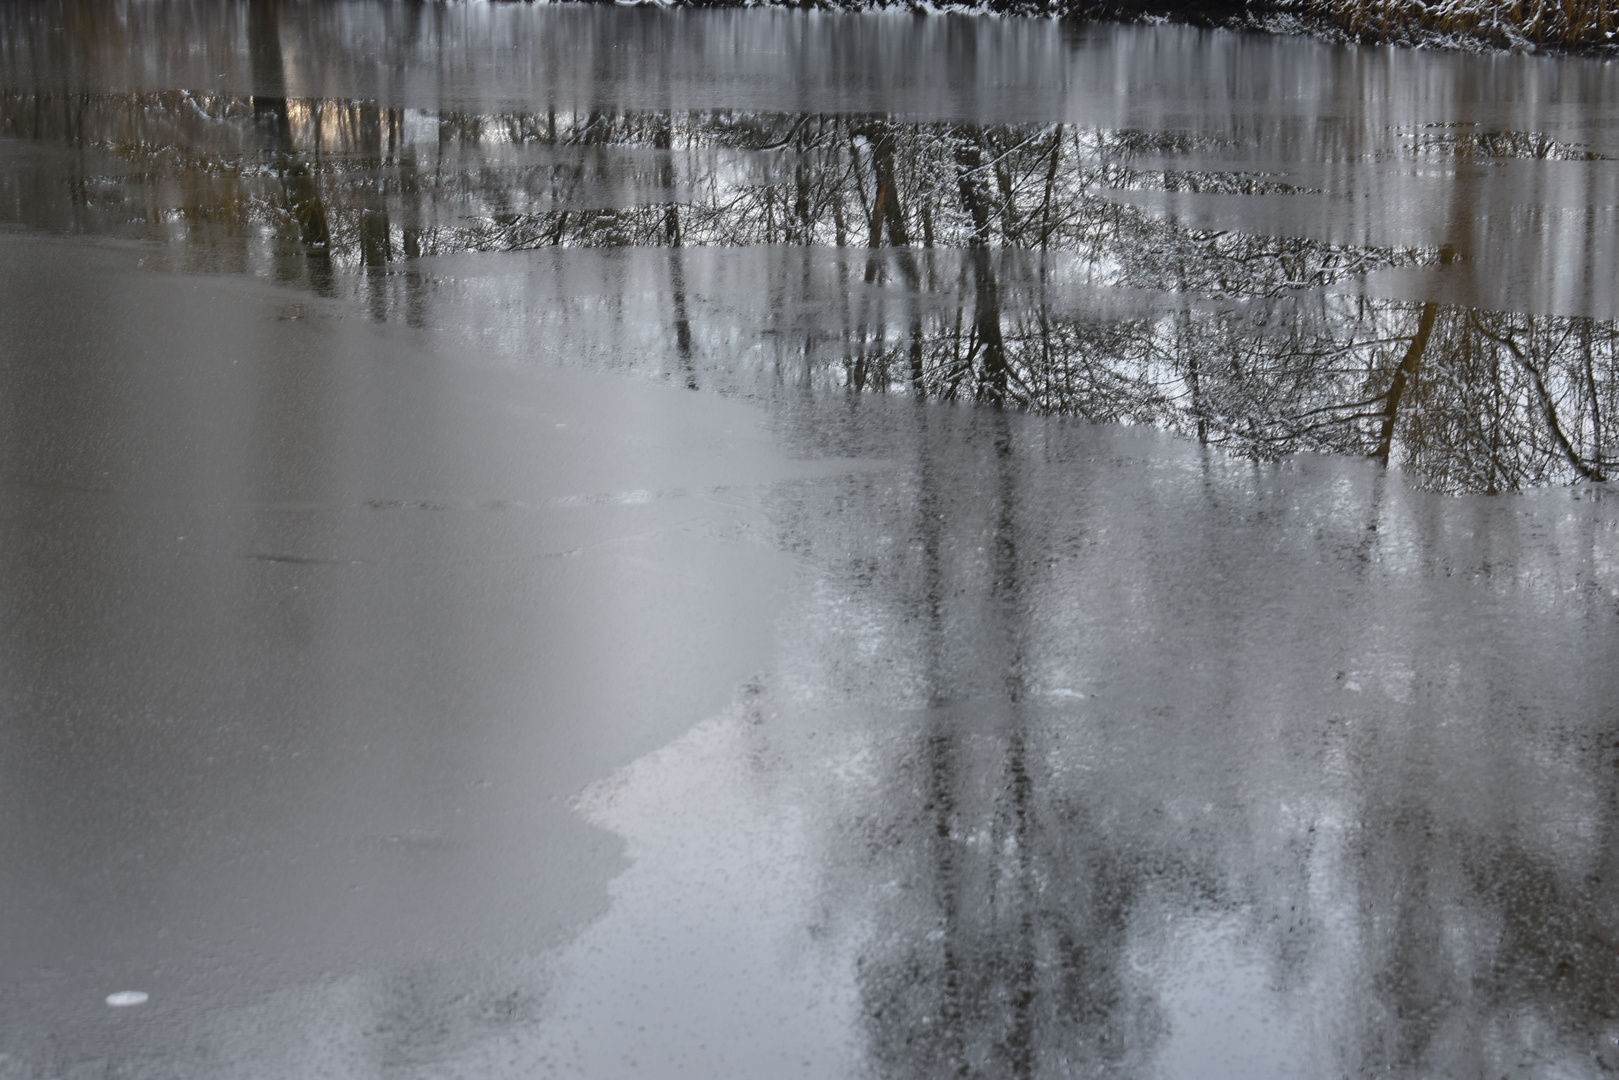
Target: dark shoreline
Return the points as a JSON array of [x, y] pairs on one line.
[[1338, 23]]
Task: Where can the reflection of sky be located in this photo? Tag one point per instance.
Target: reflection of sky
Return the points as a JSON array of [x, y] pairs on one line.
[[1224, 1013]]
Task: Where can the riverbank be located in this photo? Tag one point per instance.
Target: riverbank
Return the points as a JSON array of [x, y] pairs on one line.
[[1588, 27], [1579, 26]]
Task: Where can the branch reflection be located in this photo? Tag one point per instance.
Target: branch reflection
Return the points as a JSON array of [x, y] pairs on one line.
[[1012, 265]]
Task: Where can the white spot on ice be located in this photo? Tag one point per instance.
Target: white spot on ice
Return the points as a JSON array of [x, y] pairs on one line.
[[125, 998]]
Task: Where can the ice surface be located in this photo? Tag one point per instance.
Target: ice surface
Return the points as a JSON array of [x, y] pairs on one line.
[[405, 673], [1052, 735]]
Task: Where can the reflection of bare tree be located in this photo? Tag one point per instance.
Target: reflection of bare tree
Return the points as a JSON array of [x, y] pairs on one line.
[[991, 253], [1031, 865], [1003, 953], [1531, 354], [303, 199], [985, 352], [663, 145], [1470, 941]]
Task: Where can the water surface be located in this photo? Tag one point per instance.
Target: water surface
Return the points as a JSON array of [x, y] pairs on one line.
[[1133, 593]]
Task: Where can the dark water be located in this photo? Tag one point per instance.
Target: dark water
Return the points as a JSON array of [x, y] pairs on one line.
[[1016, 658]]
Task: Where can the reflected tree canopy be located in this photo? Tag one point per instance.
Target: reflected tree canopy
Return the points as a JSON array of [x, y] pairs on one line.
[[1005, 264]]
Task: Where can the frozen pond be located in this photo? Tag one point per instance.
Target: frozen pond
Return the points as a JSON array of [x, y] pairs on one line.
[[598, 542]]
